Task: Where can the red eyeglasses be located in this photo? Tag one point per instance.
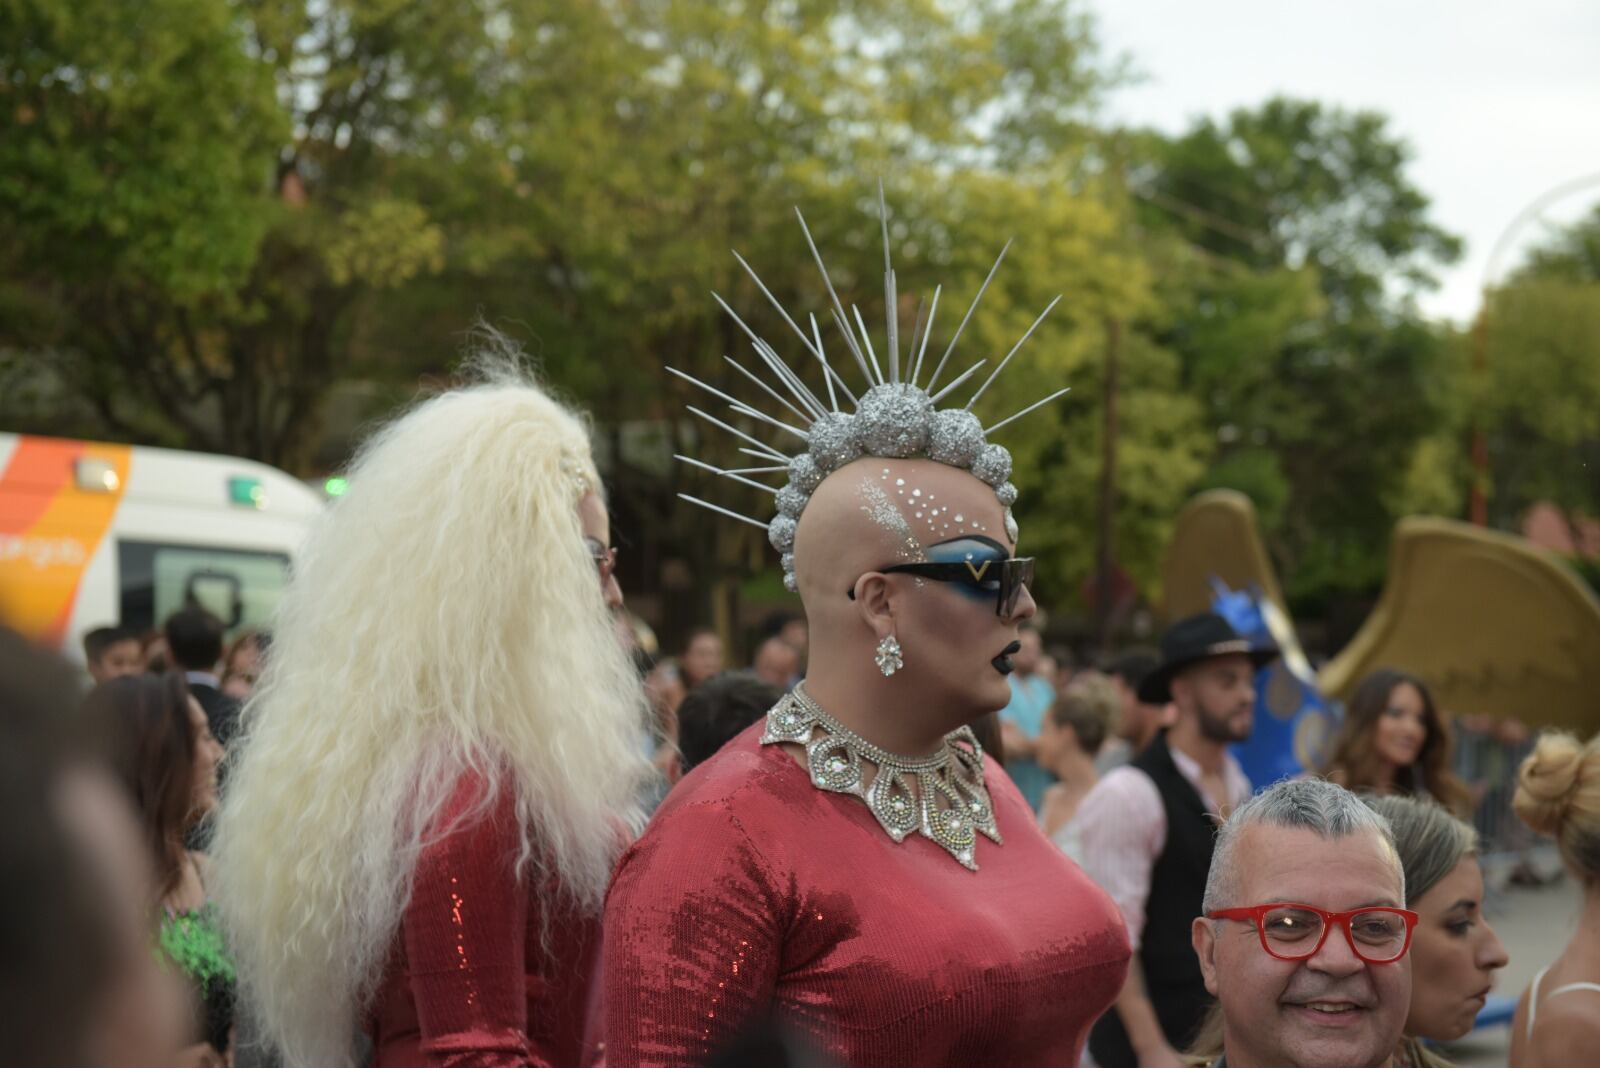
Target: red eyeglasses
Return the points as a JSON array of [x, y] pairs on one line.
[[1289, 931]]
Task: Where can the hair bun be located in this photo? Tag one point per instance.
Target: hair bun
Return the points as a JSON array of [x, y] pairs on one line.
[[1548, 782]]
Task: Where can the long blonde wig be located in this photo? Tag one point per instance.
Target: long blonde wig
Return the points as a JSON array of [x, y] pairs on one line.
[[444, 618]]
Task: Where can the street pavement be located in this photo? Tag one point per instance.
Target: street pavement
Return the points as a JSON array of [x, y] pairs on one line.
[[1534, 923]]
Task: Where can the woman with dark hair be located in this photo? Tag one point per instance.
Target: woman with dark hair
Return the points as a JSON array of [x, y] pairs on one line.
[[241, 664], [1394, 741], [160, 747]]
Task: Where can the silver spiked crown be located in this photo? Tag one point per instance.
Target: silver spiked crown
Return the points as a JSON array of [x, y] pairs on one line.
[[897, 416]]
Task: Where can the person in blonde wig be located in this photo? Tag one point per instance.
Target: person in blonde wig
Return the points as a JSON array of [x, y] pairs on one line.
[[441, 761], [1558, 1019]]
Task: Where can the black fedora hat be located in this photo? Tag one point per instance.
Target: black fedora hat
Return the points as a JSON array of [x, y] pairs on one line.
[[1190, 641]]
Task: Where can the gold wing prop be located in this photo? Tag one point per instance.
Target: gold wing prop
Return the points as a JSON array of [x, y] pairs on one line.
[[1495, 625], [1215, 537]]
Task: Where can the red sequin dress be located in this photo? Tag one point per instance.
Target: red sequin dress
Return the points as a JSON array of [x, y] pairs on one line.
[[469, 982], [755, 894]]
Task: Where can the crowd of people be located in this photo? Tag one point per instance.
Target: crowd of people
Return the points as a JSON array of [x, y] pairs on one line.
[[426, 856], [459, 812]]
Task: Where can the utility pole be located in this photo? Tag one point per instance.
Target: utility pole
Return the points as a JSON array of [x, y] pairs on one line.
[[1479, 498], [1105, 579]]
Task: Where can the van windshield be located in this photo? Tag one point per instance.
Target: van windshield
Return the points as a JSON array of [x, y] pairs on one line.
[[241, 587]]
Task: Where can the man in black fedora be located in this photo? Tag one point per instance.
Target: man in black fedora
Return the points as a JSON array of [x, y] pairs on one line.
[[1147, 830]]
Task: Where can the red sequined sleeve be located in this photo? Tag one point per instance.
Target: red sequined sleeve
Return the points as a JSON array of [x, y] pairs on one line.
[[464, 941], [693, 941]]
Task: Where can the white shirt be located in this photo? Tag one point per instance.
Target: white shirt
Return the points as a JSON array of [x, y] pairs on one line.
[[1121, 829], [202, 678]]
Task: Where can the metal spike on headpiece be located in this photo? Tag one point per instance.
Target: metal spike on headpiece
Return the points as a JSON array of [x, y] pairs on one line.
[[996, 372], [867, 340], [827, 372], [968, 373], [891, 299], [838, 305], [772, 454], [715, 470], [893, 417], [737, 366], [1027, 410], [970, 309], [927, 329]]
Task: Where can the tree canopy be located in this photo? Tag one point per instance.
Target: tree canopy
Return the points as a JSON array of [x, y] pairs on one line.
[[250, 225]]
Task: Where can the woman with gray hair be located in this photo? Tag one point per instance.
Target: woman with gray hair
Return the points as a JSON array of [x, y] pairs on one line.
[[1453, 949]]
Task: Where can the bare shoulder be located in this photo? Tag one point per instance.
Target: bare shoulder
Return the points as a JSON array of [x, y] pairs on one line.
[[1567, 1031], [1519, 1030]]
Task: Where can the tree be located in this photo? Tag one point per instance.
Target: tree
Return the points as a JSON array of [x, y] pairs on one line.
[[574, 172], [1538, 394], [1293, 316], [348, 180]]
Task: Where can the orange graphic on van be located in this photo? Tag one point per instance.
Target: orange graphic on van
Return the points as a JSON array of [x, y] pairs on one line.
[[51, 527]]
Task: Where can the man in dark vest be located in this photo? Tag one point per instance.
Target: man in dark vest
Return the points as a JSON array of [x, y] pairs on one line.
[[1147, 831]]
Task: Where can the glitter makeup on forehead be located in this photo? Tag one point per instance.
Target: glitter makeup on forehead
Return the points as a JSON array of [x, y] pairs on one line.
[[882, 511], [922, 508], [895, 417]]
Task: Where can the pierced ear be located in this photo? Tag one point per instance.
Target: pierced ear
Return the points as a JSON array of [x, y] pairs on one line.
[[872, 600], [1204, 936]]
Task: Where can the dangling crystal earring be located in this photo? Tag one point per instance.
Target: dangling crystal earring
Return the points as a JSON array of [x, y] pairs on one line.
[[889, 656]]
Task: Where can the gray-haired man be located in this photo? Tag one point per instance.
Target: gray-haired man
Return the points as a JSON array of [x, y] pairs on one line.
[[1304, 937]]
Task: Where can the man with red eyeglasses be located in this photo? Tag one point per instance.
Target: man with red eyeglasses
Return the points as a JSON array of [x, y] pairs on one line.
[[1304, 940]]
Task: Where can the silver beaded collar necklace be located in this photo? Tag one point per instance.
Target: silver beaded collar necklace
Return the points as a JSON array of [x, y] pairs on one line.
[[950, 805]]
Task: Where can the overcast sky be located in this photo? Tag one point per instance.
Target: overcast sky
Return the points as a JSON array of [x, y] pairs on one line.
[[1499, 99]]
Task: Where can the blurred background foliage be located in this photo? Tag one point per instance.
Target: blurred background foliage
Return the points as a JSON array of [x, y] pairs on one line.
[[252, 226]]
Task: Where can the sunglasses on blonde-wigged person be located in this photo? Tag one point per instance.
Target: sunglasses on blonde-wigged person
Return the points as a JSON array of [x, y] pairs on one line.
[[1291, 931]]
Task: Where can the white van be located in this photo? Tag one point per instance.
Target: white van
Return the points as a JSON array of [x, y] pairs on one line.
[[94, 534]]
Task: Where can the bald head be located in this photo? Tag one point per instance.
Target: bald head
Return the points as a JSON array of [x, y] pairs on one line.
[[873, 513]]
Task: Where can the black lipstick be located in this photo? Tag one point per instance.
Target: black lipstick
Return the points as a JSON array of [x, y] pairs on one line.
[[1002, 663]]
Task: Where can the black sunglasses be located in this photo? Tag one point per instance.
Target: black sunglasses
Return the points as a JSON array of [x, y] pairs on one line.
[[1006, 578]]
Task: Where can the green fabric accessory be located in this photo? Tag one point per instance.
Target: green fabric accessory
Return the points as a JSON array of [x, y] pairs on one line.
[[193, 941]]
